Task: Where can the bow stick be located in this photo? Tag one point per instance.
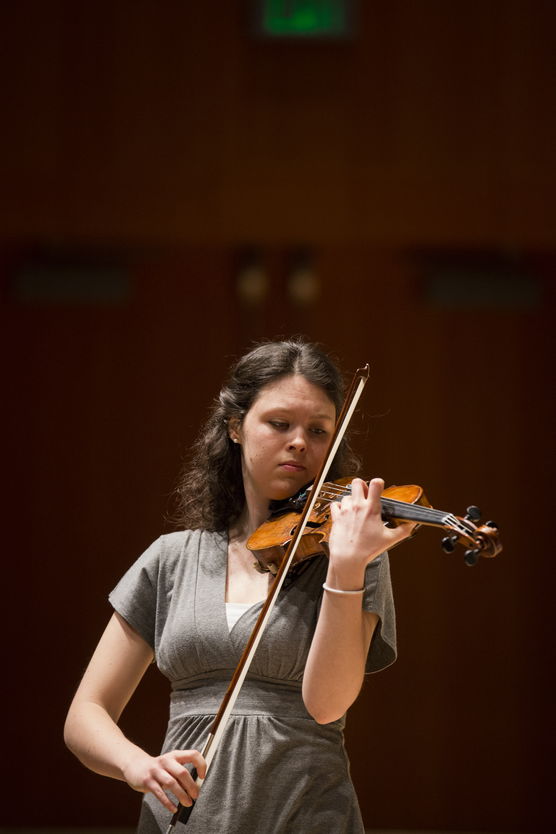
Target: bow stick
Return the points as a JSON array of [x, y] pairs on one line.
[[219, 724]]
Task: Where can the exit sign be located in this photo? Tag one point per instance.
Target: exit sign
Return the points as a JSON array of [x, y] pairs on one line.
[[329, 19]]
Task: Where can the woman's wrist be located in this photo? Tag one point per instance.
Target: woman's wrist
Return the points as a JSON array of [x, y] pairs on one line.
[[130, 757], [347, 578], [342, 592]]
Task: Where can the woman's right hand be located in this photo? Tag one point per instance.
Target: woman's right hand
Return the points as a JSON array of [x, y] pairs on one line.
[[160, 774]]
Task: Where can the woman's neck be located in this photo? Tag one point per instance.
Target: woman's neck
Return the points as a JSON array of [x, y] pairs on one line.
[[254, 513]]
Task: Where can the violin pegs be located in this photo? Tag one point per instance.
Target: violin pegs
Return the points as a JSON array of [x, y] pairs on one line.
[[471, 557], [492, 524], [473, 513], [449, 544]]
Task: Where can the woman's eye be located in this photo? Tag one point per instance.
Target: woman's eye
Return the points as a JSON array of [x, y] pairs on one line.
[[282, 425]]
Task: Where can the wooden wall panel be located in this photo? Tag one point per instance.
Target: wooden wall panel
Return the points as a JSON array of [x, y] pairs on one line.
[[104, 401], [165, 142], [130, 122]]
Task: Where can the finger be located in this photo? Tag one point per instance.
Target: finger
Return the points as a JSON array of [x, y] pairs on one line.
[[376, 488], [402, 531], [358, 488], [183, 780], [346, 501], [168, 783], [154, 788], [195, 758]]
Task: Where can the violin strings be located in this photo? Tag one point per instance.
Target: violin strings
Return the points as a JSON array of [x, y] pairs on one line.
[[415, 512], [423, 512]]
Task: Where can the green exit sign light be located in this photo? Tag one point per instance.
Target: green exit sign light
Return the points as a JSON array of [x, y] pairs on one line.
[[305, 18]]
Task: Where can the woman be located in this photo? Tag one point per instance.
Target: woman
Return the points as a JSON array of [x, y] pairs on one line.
[[281, 766]]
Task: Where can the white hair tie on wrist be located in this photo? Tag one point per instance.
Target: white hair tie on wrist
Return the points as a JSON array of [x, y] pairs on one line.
[[338, 591]]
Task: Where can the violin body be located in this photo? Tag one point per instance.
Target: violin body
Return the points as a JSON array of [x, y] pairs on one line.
[[271, 539], [399, 504]]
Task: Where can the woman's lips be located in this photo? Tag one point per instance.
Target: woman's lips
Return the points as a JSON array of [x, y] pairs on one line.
[[292, 466]]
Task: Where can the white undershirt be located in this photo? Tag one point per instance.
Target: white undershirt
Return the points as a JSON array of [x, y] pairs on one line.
[[234, 610]]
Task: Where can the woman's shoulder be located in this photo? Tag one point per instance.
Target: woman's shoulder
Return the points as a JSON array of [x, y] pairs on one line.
[[176, 545], [172, 555]]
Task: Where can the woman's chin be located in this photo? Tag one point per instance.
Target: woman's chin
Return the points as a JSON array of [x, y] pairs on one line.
[[281, 494], [283, 491]]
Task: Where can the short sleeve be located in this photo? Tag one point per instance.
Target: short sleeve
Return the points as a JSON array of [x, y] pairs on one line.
[[378, 598], [135, 595]]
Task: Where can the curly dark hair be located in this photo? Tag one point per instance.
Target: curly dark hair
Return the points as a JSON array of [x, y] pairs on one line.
[[210, 491]]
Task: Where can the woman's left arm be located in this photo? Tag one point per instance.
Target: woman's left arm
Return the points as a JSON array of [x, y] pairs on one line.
[[336, 663]]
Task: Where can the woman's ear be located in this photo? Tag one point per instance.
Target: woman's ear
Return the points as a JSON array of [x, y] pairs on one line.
[[234, 429]]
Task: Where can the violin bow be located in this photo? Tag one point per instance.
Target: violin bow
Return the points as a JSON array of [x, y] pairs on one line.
[[221, 719]]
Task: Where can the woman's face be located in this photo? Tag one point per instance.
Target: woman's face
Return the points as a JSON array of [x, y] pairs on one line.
[[284, 437]]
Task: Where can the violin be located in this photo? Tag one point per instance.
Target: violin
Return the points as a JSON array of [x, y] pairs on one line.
[[398, 503]]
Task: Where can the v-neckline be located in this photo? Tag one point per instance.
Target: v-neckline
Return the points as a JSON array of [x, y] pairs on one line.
[[215, 640], [226, 575]]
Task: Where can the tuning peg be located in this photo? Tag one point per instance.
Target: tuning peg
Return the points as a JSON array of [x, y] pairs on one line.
[[449, 543], [473, 513], [492, 524], [471, 557]]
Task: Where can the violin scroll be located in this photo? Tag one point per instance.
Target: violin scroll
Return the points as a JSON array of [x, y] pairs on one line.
[[479, 541]]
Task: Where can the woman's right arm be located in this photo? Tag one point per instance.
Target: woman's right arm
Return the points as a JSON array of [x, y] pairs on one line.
[[91, 731]]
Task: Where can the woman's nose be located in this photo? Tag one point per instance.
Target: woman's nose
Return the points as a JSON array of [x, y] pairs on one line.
[[297, 440]]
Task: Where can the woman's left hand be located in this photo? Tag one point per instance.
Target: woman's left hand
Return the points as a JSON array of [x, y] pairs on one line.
[[358, 532], [344, 629]]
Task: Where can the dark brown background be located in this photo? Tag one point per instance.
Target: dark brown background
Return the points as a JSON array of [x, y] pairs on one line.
[[145, 147]]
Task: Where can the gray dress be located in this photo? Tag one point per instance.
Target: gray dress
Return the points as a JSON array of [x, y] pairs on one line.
[[276, 771]]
